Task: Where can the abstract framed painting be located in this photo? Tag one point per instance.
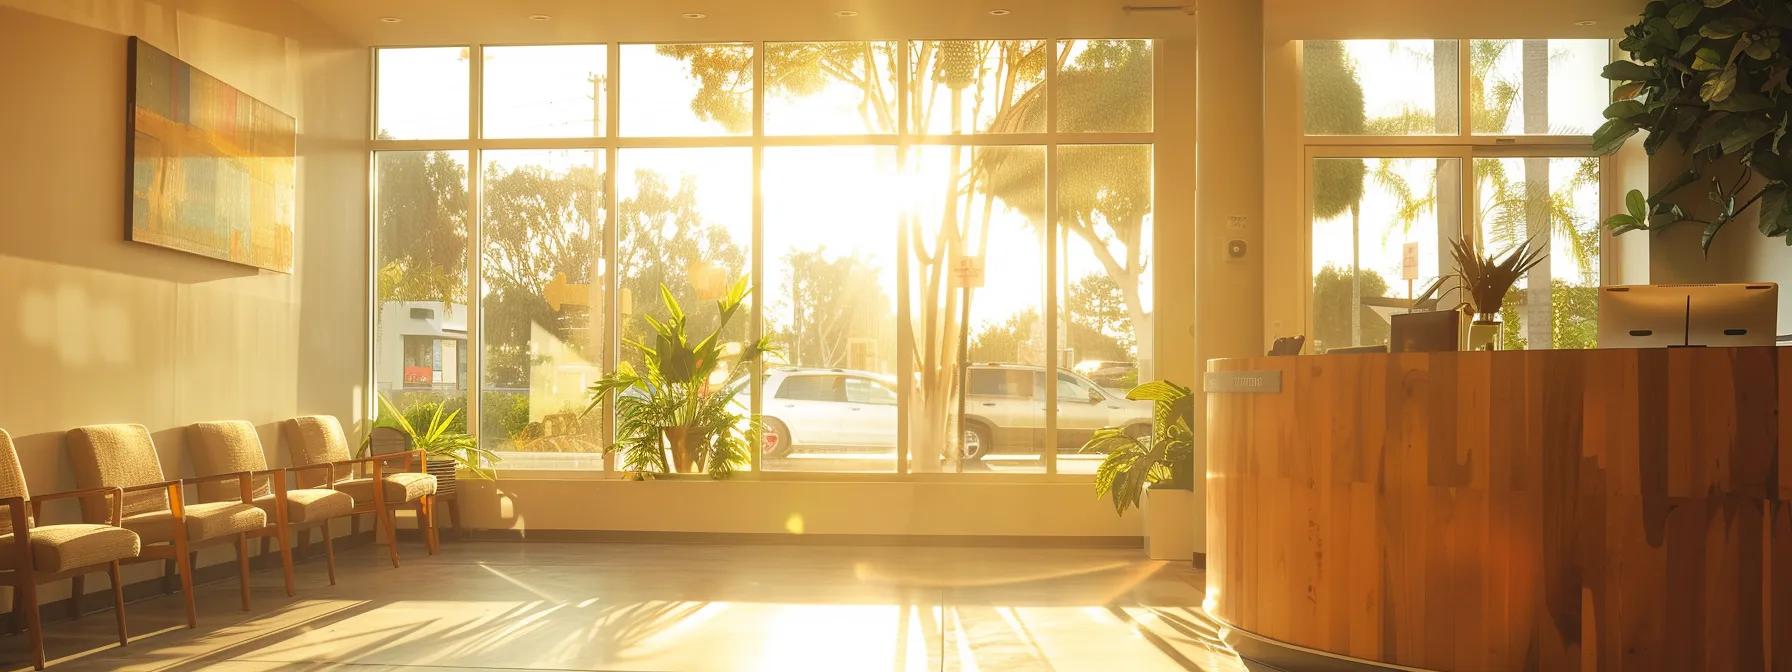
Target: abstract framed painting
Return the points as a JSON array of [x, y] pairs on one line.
[[213, 171]]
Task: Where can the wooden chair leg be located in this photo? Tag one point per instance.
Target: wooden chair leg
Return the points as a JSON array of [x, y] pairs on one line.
[[242, 567], [77, 588], [34, 627], [454, 517], [426, 522], [168, 582], [389, 518], [185, 569], [266, 545], [15, 621], [284, 535], [329, 554], [124, 636], [305, 538]]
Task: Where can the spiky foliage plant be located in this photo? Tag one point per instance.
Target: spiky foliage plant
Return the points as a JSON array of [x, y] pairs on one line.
[[1486, 280], [1133, 463], [673, 392], [436, 436]]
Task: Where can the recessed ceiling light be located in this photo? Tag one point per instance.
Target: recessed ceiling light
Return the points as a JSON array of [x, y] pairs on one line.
[[540, 17], [846, 13], [999, 12], [695, 15], [1588, 22], [390, 19]]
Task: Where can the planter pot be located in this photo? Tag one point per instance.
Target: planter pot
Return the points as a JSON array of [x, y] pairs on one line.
[[1484, 333], [443, 469], [682, 443], [1169, 524]]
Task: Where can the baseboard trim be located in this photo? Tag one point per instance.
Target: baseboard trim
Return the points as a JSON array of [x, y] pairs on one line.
[[760, 538]]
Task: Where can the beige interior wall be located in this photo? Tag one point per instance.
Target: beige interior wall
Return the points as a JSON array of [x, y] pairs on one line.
[[1229, 185], [96, 329], [1739, 253]]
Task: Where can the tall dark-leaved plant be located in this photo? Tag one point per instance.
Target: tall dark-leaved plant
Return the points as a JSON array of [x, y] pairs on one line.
[[1711, 74]]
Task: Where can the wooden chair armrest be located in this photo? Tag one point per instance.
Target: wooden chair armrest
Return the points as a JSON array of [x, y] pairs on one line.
[[21, 536], [331, 466], [420, 456], [150, 486], [116, 493], [245, 481]]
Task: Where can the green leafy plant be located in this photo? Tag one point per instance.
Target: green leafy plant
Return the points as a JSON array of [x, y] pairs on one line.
[[1132, 463], [436, 435], [672, 406], [1485, 281], [1713, 75]]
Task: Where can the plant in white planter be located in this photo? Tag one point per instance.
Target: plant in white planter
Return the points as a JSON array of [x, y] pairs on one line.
[[1165, 457]]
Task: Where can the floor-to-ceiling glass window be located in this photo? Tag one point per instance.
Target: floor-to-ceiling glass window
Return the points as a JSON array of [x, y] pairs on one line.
[[949, 253]]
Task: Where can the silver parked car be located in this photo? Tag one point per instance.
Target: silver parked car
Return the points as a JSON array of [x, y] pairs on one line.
[[1005, 410], [844, 409]]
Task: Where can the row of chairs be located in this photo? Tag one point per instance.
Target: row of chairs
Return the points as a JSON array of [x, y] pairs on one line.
[[133, 513]]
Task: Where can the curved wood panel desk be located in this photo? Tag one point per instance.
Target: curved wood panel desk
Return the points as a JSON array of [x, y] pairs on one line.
[[1549, 510]]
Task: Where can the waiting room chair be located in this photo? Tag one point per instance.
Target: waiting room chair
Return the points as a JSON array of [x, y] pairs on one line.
[[124, 456], [233, 447], [318, 439], [31, 554]]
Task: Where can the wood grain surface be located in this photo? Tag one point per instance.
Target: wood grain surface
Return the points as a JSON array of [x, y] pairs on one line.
[[1547, 510]]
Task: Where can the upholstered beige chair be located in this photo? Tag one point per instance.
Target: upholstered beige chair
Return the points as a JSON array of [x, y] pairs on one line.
[[317, 440], [231, 447], [31, 554], [123, 456]]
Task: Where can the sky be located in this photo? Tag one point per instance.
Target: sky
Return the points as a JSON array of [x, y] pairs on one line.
[[843, 198]]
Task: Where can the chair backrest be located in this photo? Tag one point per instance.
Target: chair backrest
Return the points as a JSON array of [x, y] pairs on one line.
[[314, 439], [226, 447], [116, 456], [12, 480]]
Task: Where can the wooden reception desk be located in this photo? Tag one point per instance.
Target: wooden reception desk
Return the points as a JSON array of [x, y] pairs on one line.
[[1549, 510]]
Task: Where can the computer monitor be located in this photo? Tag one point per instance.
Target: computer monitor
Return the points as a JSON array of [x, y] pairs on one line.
[[1657, 316]]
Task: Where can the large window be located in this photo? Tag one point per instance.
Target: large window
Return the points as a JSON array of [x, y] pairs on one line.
[[1403, 158], [948, 241]]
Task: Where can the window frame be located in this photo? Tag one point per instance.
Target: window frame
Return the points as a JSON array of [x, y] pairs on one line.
[[611, 142], [1464, 145]]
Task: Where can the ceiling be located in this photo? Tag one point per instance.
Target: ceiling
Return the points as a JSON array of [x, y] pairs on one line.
[[508, 21]]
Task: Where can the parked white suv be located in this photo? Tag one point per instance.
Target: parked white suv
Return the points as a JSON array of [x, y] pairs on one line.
[[843, 409], [1005, 410]]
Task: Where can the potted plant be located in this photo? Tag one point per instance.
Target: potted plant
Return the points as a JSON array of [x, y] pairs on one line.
[[427, 428], [1710, 74], [1158, 467], [676, 406], [1485, 281]]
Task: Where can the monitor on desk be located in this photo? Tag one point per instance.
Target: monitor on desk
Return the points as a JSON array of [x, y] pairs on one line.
[[1657, 316]]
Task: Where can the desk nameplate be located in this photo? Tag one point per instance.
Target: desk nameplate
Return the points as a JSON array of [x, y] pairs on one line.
[[1243, 382]]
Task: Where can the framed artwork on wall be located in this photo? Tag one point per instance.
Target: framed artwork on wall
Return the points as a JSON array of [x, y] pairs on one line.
[[212, 170]]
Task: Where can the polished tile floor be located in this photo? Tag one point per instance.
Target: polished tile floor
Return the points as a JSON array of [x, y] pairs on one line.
[[573, 606]]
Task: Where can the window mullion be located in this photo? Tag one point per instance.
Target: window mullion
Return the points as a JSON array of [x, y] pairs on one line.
[[756, 250], [1049, 452], [612, 314], [475, 343], [905, 339]]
